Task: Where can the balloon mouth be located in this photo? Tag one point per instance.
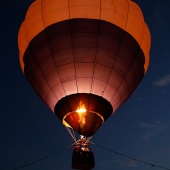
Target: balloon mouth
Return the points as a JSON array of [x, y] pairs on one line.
[[82, 119], [83, 112], [81, 116]]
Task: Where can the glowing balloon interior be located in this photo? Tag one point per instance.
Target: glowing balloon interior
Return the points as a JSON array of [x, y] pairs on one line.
[[84, 58]]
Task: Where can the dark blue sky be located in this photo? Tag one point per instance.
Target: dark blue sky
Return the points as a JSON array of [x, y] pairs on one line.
[[140, 128]]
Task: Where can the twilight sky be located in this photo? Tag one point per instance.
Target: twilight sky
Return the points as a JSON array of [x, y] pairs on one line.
[[140, 128]]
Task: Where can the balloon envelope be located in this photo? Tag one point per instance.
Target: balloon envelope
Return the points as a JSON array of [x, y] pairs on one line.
[[90, 54]]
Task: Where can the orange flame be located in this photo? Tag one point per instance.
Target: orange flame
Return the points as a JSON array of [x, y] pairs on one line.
[[81, 108]]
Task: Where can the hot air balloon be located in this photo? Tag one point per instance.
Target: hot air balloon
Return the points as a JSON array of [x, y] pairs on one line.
[[84, 59]]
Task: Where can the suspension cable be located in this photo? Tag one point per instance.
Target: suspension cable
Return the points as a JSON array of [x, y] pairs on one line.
[[46, 157], [88, 139], [129, 157], [71, 133]]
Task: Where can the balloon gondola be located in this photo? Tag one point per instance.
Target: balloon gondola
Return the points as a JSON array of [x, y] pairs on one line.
[[84, 59]]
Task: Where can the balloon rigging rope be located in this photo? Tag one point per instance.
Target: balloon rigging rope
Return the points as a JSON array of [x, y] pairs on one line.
[[46, 157], [129, 157], [71, 132], [112, 151]]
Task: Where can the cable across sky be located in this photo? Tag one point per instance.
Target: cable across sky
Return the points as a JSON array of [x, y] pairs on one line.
[[104, 148]]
